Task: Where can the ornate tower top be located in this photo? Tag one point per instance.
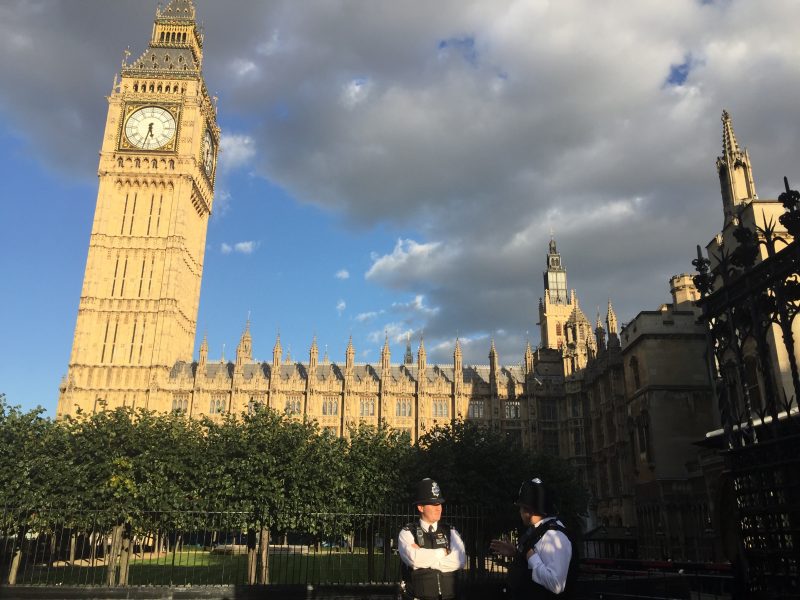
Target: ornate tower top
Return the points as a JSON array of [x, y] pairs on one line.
[[244, 352], [555, 277], [385, 355], [349, 354], [611, 319], [176, 10], [408, 359], [734, 170], [313, 355], [204, 350], [422, 360], [493, 358], [176, 46], [528, 358], [277, 352], [457, 363]]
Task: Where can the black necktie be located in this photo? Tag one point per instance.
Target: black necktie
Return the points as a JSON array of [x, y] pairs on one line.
[[430, 529]]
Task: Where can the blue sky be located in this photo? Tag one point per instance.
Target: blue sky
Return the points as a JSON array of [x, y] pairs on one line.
[[425, 151]]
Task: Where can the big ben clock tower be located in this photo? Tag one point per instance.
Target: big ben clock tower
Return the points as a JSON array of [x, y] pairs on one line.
[[138, 307]]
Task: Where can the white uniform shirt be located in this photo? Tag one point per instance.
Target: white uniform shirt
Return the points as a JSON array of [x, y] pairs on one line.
[[549, 564], [431, 558]]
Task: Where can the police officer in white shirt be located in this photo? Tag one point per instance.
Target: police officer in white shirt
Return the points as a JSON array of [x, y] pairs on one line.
[[432, 552], [544, 564]]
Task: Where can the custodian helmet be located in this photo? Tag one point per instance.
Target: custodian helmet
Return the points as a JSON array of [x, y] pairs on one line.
[[428, 492], [534, 495]]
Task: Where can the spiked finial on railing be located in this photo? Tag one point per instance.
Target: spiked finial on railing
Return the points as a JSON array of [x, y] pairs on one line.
[[791, 202], [746, 252], [703, 281]]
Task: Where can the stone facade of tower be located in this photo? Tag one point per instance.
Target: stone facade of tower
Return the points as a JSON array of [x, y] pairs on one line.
[[563, 325], [138, 307]]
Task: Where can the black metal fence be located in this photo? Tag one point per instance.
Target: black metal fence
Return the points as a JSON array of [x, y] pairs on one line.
[[43, 548], [750, 299], [200, 549]]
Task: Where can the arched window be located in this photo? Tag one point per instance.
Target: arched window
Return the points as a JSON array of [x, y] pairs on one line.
[[154, 164], [367, 407], [135, 87], [330, 406], [643, 423], [558, 329], [634, 365], [119, 162], [171, 164], [137, 163]]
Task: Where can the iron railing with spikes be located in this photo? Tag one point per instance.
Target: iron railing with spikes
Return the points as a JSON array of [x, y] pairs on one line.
[[749, 307]]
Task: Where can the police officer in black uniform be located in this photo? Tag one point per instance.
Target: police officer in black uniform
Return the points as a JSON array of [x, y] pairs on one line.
[[544, 564], [432, 552]]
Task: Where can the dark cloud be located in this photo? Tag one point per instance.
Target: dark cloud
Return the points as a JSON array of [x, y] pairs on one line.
[[478, 125]]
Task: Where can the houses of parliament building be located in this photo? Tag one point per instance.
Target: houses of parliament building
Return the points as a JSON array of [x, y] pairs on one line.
[[622, 406]]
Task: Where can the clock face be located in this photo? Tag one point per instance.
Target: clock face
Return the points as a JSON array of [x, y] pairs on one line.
[[207, 153], [150, 128]]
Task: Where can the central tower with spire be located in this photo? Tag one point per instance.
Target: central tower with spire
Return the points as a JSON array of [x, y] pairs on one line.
[[138, 308]]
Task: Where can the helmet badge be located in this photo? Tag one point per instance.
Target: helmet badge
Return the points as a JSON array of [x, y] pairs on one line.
[[435, 490]]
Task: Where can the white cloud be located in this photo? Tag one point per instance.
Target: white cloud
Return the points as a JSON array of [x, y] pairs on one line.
[[409, 259], [222, 202], [244, 68], [397, 332], [417, 305], [340, 306], [355, 92], [247, 247], [236, 151], [342, 274], [368, 316]]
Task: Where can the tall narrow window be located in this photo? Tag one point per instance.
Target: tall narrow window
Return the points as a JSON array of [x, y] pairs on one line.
[[133, 212], [634, 365], [114, 342], [105, 341], [476, 410], [124, 215], [512, 408], [133, 343]]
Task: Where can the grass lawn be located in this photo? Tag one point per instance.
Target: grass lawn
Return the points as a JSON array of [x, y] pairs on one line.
[[200, 567]]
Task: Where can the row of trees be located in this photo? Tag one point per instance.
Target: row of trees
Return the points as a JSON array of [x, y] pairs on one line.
[[122, 466], [124, 463]]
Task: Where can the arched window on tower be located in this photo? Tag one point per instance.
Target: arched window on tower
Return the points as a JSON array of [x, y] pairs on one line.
[[559, 331], [634, 365]]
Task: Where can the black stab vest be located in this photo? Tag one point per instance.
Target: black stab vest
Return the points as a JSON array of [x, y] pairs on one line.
[[521, 584], [429, 584]]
